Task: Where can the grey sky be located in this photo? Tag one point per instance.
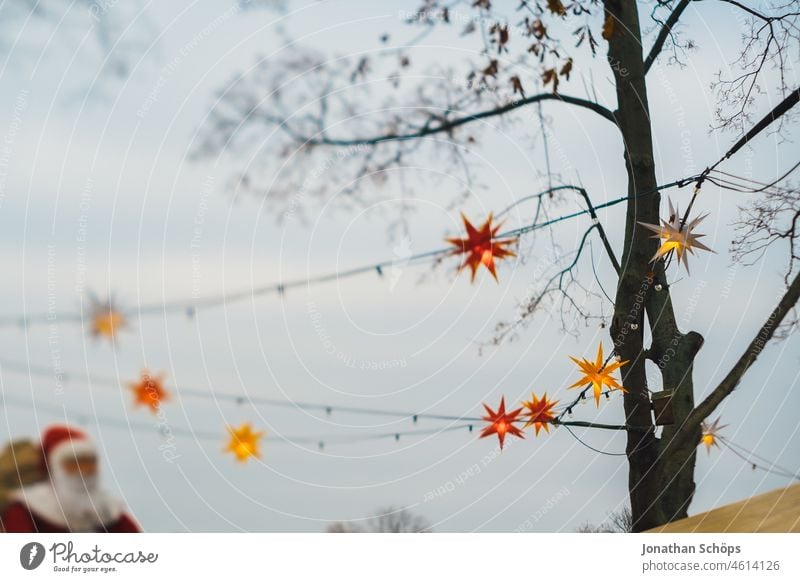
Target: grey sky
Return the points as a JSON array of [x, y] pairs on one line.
[[97, 191]]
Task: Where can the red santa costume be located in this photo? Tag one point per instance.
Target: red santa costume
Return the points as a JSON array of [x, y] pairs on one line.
[[66, 502]]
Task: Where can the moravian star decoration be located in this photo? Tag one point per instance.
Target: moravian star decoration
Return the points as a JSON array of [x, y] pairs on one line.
[[539, 412], [107, 320], [597, 374], [682, 240], [149, 391], [244, 442], [710, 434], [501, 423], [481, 247]]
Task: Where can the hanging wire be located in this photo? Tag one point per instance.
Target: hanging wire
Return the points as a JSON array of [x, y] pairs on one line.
[[748, 456], [588, 446], [777, 112], [763, 187], [596, 277]]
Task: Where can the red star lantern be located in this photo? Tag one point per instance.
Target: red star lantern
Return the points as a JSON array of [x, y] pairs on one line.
[[481, 247], [501, 423], [539, 412]]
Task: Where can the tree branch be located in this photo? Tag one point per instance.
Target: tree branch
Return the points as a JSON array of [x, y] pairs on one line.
[[601, 231], [664, 33], [447, 126], [746, 360], [758, 15], [779, 111]]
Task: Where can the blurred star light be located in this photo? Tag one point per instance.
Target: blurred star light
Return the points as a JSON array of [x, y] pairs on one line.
[[244, 442], [481, 247], [710, 434], [106, 320], [149, 391]]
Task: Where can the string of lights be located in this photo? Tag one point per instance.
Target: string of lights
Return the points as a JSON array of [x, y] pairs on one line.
[[455, 423], [66, 377], [240, 399], [70, 415], [191, 306]]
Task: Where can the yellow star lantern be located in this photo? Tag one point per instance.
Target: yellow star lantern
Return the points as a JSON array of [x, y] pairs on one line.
[[676, 238], [539, 412], [107, 320], [149, 391], [481, 247], [598, 375], [710, 434], [244, 442]]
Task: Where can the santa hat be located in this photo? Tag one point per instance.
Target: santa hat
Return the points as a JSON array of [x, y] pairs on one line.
[[60, 442]]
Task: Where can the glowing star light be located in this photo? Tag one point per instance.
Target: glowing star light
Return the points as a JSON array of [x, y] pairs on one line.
[[674, 238], [710, 434], [539, 412], [244, 442], [598, 375], [481, 247], [107, 320], [149, 391], [501, 423]]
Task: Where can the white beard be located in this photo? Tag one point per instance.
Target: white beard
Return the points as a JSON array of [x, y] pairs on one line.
[[73, 502]]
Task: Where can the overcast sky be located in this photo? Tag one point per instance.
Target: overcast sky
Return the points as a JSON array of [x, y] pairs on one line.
[[97, 194]]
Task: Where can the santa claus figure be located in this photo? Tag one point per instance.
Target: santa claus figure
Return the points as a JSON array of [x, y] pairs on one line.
[[70, 499]]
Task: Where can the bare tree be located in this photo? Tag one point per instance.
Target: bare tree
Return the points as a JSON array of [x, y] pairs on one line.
[[354, 120], [113, 35], [618, 522], [385, 520]]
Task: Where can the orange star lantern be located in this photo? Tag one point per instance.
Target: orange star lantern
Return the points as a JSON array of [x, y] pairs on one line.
[[481, 247], [539, 412], [710, 434], [244, 442], [149, 391], [107, 320], [598, 375], [501, 423]]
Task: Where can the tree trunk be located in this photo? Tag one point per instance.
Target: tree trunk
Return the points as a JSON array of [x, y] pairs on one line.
[[660, 489], [674, 353]]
